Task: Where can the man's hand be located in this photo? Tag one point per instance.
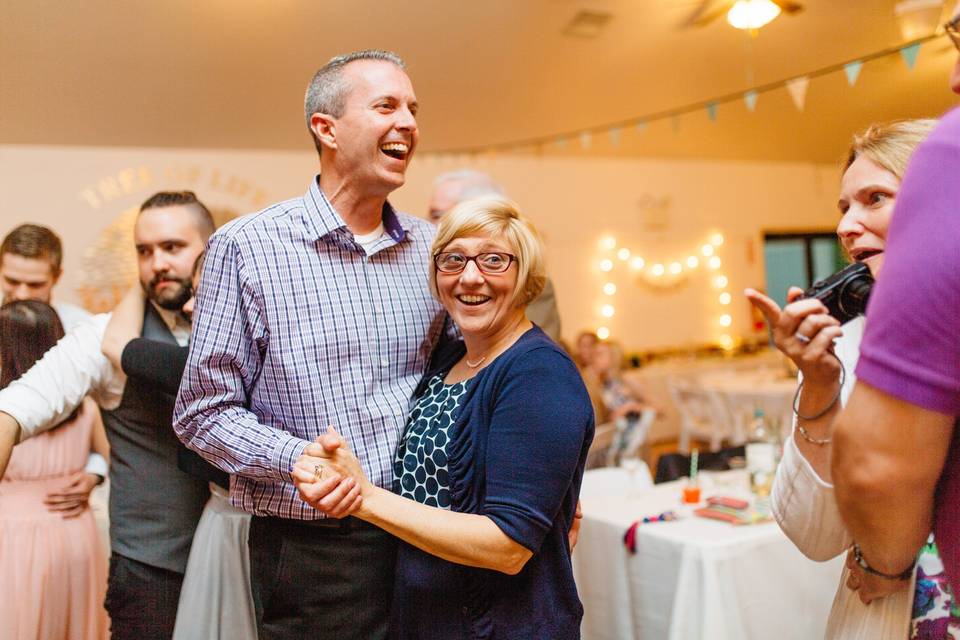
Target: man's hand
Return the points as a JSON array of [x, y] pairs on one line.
[[868, 586], [574, 534], [319, 485], [72, 498]]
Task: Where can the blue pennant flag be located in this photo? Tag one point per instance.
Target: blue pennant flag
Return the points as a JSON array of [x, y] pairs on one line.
[[712, 111], [909, 54], [750, 99], [852, 69]]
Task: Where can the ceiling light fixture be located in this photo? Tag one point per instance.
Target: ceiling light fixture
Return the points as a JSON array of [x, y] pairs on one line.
[[752, 14]]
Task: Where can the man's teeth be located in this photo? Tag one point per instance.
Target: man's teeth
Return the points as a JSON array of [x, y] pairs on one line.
[[395, 149]]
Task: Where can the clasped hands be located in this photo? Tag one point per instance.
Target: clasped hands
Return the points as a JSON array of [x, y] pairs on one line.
[[329, 477]]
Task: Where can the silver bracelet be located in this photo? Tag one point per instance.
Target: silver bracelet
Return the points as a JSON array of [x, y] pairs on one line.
[[820, 414], [806, 436]]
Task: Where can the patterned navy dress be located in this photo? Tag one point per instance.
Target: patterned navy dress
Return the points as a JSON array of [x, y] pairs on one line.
[[420, 466]]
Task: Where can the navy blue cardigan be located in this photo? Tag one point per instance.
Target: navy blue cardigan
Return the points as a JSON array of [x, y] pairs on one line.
[[516, 454]]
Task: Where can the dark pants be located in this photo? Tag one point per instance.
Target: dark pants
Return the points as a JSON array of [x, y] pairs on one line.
[[141, 600], [327, 579]]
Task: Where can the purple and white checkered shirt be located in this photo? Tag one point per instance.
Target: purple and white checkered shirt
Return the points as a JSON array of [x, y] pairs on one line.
[[295, 328]]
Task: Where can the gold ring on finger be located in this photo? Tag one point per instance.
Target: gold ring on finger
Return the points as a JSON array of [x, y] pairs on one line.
[[317, 472]]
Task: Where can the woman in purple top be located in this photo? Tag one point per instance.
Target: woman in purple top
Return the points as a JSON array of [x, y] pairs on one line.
[[488, 470]]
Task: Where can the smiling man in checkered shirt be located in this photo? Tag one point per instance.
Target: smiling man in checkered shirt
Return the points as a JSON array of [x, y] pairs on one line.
[[316, 311]]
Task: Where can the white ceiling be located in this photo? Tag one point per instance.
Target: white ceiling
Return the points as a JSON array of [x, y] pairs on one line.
[[231, 73]]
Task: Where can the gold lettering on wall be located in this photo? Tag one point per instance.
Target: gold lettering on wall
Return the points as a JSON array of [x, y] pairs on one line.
[[109, 188]]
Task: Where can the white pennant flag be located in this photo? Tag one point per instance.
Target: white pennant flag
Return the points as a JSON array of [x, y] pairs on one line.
[[798, 91]]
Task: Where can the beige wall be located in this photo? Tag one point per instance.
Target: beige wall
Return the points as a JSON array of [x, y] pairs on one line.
[[660, 209]]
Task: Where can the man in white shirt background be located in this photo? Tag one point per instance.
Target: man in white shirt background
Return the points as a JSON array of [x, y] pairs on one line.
[[30, 266]]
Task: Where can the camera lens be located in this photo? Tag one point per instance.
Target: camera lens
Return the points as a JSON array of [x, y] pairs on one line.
[[854, 295]]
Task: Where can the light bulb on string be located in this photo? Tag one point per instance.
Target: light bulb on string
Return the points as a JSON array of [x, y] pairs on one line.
[[609, 288], [721, 282], [707, 250], [693, 262], [714, 262], [609, 243], [716, 239], [725, 298], [657, 270], [623, 253], [603, 333], [607, 311], [637, 263], [675, 268], [726, 320], [606, 265], [726, 342]]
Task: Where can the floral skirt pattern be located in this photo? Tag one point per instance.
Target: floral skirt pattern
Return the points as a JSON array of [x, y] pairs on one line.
[[935, 612]]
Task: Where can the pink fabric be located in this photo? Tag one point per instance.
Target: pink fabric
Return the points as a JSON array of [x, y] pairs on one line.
[[53, 571]]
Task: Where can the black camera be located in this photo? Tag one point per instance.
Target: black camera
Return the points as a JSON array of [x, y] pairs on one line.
[[845, 293]]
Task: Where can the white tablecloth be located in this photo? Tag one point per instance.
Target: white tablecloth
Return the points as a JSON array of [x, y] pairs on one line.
[[695, 578]]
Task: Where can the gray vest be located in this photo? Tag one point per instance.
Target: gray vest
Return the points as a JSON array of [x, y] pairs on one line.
[[154, 506]]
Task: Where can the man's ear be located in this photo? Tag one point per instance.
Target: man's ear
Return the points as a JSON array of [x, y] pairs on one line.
[[56, 274], [324, 128]]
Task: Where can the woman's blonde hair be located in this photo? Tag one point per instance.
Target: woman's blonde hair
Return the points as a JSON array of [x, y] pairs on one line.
[[499, 218], [889, 144]]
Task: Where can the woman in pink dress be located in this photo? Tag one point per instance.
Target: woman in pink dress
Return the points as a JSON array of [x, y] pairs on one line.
[[53, 569]]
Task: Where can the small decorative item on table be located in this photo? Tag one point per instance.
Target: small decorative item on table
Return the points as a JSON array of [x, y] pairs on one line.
[[630, 537], [735, 510]]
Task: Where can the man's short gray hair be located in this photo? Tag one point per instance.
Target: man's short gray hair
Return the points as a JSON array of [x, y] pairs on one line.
[[474, 184], [327, 91]]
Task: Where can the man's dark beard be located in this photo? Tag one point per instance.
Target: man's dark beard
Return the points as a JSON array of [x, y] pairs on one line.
[[172, 301]]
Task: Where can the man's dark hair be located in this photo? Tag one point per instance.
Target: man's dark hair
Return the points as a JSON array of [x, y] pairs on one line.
[[327, 91], [177, 198], [34, 241]]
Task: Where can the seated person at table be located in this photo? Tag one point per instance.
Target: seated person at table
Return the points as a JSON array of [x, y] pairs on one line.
[[489, 468], [802, 497], [623, 402]]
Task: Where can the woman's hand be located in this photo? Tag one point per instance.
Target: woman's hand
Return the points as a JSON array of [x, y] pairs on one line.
[[329, 477], [804, 332], [870, 587]]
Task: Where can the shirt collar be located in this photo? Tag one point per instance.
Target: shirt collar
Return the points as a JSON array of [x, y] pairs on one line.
[[174, 320], [323, 219]]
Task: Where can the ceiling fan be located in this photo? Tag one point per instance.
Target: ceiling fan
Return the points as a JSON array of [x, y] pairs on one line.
[[742, 14]]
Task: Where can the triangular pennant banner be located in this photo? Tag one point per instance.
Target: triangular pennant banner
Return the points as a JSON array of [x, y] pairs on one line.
[[585, 138], [750, 99], [641, 126], [561, 143], [712, 111], [852, 69], [909, 54], [676, 123], [614, 134], [798, 91]]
